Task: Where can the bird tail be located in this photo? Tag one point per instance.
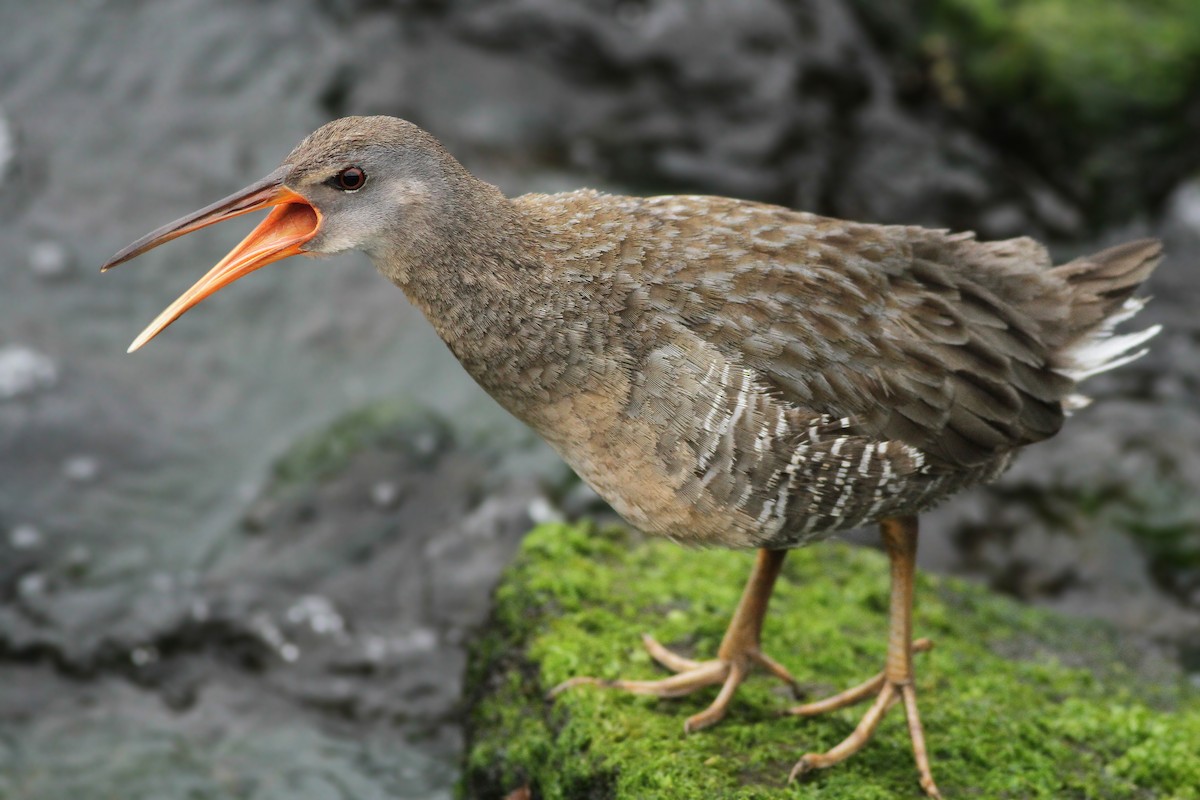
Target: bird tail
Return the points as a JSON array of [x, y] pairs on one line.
[[1101, 288]]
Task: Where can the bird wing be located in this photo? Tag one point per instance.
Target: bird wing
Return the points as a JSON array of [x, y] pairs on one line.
[[921, 336]]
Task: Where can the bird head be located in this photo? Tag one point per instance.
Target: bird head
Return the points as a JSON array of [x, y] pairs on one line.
[[350, 185]]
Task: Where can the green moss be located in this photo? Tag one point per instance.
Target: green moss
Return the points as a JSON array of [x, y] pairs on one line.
[[1102, 58], [1016, 703]]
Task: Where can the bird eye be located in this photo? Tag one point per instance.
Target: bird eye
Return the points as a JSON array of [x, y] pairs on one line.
[[350, 179]]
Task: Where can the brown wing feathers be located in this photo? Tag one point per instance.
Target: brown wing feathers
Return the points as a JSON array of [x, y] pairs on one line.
[[933, 339], [972, 379]]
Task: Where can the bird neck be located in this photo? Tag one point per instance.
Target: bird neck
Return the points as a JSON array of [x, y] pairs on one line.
[[477, 279]]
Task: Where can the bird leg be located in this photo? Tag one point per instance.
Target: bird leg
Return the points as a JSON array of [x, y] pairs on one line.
[[738, 654], [895, 683]]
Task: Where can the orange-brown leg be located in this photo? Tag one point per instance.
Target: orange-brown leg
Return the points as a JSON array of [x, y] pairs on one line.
[[738, 654], [895, 683]]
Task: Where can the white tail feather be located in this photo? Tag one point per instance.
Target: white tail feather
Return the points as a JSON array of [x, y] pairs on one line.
[[1096, 283], [1130, 307], [1074, 402], [1100, 354], [1101, 351]]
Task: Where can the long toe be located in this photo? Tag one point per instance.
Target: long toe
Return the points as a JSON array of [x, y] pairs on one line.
[[855, 694], [690, 676], [668, 658], [708, 673], [716, 712], [887, 694]]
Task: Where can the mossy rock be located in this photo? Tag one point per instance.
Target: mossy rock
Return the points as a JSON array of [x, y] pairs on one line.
[[398, 425], [1100, 59], [1017, 703], [1101, 98]]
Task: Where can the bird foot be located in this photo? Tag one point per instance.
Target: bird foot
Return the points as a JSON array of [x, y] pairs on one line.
[[728, 672], [887, 693]]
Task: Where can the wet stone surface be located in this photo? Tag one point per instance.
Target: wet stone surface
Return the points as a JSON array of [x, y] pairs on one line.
[[319, 650]]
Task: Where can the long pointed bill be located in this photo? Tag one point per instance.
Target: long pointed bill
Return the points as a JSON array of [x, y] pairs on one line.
[[282, 234]]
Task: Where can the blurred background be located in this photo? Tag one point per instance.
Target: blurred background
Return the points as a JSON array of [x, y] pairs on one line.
[[243, 562]]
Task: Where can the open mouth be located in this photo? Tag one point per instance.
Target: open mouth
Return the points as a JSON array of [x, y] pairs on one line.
[[293, 221]]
